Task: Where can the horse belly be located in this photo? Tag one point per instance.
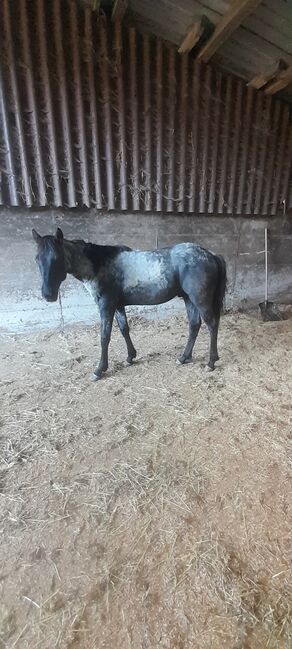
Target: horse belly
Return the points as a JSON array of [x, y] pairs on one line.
[[148, 294], [147, 278]]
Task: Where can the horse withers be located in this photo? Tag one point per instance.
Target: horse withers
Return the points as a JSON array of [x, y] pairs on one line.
[[117, 276]]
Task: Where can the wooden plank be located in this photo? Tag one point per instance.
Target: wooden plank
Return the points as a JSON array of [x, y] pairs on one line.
[[248, 102], [232, 19], [159, 127], [283, 80], [119, 9], [192, 37], [272, 148], [121, 117], [94, 130], [225, 145], [170, 123], [49, 116], [28, 197], [134, 120], [215, 142], [266, 117], [79, 106], [279, 163], [235, 147], [8, 148], [261, 80], [147, 123], [195, 94], [32, 106]]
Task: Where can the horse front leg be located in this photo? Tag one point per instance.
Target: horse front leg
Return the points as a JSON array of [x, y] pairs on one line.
[[106, 323], [122, 321]]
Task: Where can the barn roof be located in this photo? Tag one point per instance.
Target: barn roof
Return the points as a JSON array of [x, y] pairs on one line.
[[249, 38]]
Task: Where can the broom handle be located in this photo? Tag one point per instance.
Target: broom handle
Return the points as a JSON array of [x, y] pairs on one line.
[[266, 264]]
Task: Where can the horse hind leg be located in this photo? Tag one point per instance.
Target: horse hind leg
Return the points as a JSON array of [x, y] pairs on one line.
[[194, 328], [122, 322], [212, 323]]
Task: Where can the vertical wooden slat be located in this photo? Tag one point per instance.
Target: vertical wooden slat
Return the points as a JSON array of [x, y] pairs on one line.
[[182, 111], [39, 171], [245, 147], [225, 145], [93, 110], [8, 151], [206, 132], [49, 110], [134, 119], [278, 167], [147, 124], [170, 134], [194, 136], [287, 167], [106, 107], [122, 152], [235, 147], [271, 157], [64, 112], [262, 161], [158, 120], [81, 136], [255, 135], [215, 142], [28, 197]]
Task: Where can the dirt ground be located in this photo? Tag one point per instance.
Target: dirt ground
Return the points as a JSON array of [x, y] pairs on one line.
[[151, 509]]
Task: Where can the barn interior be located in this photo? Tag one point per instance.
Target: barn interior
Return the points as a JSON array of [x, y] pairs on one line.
[[153, 508]]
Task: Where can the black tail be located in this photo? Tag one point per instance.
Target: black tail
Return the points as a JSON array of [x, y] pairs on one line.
[[221, 286]]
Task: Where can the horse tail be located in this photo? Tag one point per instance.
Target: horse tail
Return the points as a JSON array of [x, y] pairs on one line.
[[220, 290]]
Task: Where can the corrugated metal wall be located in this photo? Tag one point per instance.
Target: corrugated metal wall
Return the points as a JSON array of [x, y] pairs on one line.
[[93, 115]]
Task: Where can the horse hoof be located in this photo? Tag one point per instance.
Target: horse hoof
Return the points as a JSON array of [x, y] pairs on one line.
[[130, 360], [209, 369], [183, 361], [95, 377]]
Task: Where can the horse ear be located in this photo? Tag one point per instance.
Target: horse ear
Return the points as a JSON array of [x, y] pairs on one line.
[[59, 235], [37, 237]]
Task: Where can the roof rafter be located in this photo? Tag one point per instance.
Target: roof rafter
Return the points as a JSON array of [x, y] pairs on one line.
[[192, 36], [282, 80], [230, 21]]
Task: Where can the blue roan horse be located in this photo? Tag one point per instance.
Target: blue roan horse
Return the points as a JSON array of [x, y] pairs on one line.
[[117, 276]]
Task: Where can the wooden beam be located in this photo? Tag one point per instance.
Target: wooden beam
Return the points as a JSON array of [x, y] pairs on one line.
[[261, 80], [231, 20], [192, 36], [119, 9], [283, 79]]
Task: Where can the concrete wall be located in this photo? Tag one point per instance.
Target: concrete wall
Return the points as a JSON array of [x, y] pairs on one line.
[[240, 240]]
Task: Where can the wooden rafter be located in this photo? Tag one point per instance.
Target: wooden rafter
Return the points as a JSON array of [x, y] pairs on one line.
[[192, 36], [282, 80], [231, 20], [261, 80], [119, 9]]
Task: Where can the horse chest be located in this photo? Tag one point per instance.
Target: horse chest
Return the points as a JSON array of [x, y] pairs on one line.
[[93, 288]]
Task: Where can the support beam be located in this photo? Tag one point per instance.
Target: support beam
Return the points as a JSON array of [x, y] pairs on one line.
[[261, 80], [283, 80], [238, 11], [119, 9], [192, 36]]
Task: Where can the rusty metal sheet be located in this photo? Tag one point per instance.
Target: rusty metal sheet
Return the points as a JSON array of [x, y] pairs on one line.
[[118, 120]]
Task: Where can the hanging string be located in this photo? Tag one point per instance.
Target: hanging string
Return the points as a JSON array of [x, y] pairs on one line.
[[62, 323]]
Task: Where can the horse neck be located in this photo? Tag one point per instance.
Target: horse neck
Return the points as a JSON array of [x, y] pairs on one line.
[[76, 262]]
